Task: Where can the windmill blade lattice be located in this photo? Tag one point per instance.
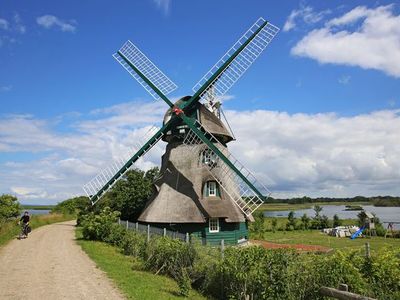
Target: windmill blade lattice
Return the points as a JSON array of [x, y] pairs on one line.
[[106, 179], [245, 197], [242, 61], [146, 67]]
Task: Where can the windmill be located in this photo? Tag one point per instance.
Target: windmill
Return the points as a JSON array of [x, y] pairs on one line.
[[202, 188]]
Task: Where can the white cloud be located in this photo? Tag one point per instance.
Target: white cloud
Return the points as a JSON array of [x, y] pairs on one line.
[[3, 24], [19, 26], [374, 44], [5, 88], [344, 79], [163, 5], [314, 154], [306, 14], [293, 154], [50, 21]]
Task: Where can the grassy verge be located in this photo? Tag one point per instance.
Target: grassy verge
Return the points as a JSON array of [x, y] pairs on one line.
[[10, 230], [286, 206], [134, 284], [315, 237]]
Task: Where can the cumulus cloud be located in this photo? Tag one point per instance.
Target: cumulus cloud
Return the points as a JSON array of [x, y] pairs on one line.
[[50, 21], [293, 154], [321, 154], [3, 24], [363, 37], [163, 5], [306, 14]]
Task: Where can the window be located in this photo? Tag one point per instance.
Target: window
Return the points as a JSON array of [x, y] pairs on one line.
[[213, 225], [209, 158], [212, 188]]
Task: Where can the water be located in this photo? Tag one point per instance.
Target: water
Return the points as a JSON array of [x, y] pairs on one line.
[[385, 214], [37, 211]]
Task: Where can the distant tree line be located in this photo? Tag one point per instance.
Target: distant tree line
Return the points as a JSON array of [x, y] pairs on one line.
[[376, 200]]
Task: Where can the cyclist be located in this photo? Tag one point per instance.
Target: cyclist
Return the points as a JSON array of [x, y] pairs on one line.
[[25, 223]]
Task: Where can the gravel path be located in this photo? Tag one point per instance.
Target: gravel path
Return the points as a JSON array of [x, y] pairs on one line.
[[50, 265]]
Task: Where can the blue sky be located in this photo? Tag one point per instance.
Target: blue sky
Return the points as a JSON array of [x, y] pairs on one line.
[[57, 75]]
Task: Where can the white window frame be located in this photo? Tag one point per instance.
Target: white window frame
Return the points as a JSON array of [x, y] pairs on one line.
[[209, 158], [213, 225], [209, 185]]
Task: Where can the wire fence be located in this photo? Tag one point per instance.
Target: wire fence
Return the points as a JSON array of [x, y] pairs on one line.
[[152, 230]]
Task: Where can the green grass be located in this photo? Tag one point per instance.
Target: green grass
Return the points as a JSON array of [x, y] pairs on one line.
[[286, 206], [315, 237], [134, 284], [11, 230]]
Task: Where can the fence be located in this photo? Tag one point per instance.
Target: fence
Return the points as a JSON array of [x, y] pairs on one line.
[[151, 230]]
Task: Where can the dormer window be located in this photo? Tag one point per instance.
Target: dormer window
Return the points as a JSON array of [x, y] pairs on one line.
[[211, 189], [208, 157]]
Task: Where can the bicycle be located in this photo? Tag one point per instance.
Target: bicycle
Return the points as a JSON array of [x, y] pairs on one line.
[[25, 230]]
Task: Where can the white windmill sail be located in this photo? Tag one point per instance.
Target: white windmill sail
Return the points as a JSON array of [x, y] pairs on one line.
[[241, 193], [146, 67], [241, 63]]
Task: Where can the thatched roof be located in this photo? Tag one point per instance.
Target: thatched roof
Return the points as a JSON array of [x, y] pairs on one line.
[[180, 198]]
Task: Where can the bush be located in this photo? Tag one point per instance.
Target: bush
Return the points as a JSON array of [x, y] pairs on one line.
[[167, 256], [133, 244], [251, 271], [9, 207], [99, 227]]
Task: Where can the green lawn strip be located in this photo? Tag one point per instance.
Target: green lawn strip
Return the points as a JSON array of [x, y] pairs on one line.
[[287, 206], [134, 284], [11, 229], [315, 237]]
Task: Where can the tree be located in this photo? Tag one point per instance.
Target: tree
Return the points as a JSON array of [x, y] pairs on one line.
[[259, 224], [9, 207], [305, 221], [130, 194], [324, 222], [336, 221], [317, 210], [72, 205], [291, 224]]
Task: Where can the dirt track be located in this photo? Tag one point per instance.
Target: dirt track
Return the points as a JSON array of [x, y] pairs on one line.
[[50, 265]]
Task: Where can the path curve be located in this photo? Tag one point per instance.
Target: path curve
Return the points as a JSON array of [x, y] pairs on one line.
[[50, 265]]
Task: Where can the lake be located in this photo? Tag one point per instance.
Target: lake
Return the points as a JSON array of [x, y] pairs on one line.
[[385, 214]]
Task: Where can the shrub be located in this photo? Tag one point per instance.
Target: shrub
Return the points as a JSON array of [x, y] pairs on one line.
[[99, 227], [168, 256], [133, 244]]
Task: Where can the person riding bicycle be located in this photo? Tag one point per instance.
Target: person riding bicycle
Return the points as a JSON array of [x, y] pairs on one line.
[[25, 223]]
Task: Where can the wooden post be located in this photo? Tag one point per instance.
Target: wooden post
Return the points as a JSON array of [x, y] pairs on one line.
[[127, 224], [148, 232], [367, 250], [222, 248], [341, 295], [165, 232], [137, 226], [187, 237]]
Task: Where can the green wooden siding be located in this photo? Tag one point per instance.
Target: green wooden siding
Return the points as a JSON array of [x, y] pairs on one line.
[[229, 232]]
